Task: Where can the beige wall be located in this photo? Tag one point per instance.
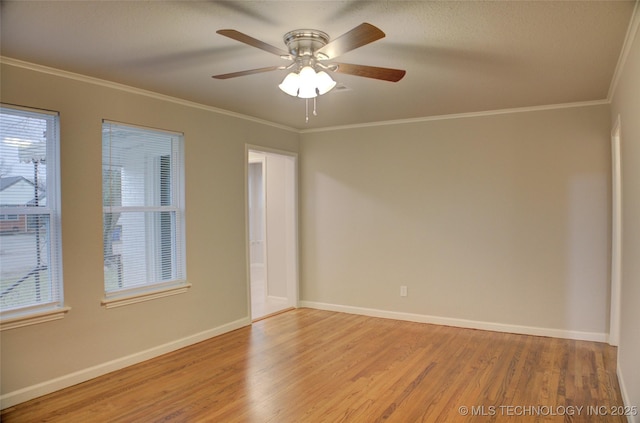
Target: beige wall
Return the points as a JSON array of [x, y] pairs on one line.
[[501, 218], [90, 335], [626, 104]]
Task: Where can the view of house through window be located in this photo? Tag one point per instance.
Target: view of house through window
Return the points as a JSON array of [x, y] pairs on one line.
[[142, 188], [30, 262]]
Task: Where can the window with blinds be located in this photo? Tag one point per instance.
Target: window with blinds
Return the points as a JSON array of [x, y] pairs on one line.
[[30, 254], [143, 213]]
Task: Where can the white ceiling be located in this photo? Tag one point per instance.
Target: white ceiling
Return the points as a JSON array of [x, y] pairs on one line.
[[460, 57]]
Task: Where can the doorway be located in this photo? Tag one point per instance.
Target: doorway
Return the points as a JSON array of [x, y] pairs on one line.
[[272, 231]]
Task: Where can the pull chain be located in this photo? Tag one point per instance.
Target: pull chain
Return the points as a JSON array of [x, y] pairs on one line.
[[306, 115]]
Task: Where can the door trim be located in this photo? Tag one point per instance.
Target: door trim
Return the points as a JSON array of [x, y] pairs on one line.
[[616, 235], [293, 290]]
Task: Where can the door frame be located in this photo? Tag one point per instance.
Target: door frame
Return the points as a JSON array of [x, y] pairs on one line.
[[293, 286], [265, 270], [616, 234]]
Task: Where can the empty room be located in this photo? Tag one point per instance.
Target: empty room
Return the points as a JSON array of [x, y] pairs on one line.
[[320, 211]]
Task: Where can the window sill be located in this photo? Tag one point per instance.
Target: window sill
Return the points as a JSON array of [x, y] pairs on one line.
[[33, 318], [145, 296]]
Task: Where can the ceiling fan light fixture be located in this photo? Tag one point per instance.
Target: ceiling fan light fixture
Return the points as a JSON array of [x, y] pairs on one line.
[[324, 82], [291, 84], [307, 83]]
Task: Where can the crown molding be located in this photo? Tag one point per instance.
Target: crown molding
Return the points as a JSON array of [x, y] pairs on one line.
[[461, 115], [122, 87]]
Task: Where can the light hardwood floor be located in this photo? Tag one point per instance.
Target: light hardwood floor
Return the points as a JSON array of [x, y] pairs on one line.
[[318, 366]]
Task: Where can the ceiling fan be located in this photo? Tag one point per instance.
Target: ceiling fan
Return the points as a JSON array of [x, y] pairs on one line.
[[311, 53]]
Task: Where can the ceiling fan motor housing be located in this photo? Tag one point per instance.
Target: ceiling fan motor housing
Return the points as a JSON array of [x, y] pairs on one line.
[[305, 42]]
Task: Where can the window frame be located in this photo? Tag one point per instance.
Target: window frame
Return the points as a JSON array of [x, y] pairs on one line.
[[55, 308], [152, 290]]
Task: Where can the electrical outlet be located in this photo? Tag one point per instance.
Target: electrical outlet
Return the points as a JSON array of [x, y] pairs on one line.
[[403, 290]]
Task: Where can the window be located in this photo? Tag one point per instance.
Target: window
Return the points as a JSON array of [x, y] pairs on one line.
[[143, 213], [30, 254]]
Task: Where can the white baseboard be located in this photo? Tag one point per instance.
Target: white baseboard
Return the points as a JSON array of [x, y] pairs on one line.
[[30, 392], [462, 323], [625, 395]]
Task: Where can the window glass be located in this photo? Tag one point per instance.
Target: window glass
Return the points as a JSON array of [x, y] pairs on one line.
[[30, 256], [143, 213]]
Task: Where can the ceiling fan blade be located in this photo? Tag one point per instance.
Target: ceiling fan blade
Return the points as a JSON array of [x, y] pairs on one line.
[[359, 36], [386, 74], [247, 72], [244, 38]]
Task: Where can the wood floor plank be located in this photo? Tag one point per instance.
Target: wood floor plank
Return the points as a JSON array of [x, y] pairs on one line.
[[317, 366]]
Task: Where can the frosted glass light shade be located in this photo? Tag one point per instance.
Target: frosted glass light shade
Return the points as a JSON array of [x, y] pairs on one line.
[[324, 82], [291, 84], [307, 91], [307, 83], [307, 76]]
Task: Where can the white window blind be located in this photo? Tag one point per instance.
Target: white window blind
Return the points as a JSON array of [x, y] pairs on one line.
[[30, 255], [143, 213]]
